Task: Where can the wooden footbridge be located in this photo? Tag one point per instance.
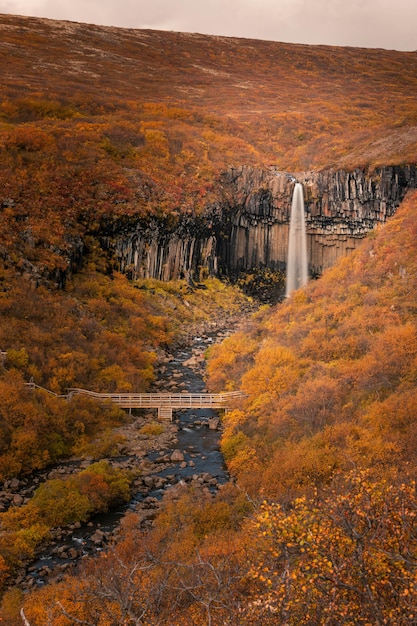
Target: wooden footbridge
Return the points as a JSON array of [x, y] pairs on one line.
[[166, 403]]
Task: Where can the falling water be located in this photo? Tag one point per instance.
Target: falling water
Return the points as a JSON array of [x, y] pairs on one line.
[[297, 266]]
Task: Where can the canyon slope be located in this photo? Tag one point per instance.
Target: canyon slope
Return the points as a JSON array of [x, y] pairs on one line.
[[103, 129], [138, 167]]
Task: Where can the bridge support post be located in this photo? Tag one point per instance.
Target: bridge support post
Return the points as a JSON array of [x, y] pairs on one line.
[[165, 413]]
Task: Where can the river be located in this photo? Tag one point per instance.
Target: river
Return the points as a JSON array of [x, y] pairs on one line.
[[189, 454]]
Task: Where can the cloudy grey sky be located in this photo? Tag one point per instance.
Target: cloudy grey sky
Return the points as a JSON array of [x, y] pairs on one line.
[[387, 24]]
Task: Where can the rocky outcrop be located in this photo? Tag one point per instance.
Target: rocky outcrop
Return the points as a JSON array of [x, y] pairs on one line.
[[342, 207], [248, 228], [159, 250]]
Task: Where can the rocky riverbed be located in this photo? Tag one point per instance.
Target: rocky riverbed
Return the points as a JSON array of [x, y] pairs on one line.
[[185, 453]]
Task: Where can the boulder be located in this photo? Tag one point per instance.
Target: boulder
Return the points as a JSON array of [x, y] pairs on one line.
[[213, 423], [97, 537], [14, 484], [73, 553], [177, 456]]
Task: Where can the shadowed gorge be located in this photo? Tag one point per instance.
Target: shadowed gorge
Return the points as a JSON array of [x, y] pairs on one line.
[[146, 181]]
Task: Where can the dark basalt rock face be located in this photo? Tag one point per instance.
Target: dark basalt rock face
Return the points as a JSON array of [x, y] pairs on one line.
[[342, 207], [248, 228]]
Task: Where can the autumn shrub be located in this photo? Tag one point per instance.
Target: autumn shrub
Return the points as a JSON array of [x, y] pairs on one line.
[[233, 444], [11, 605], [62, 502], [31, 109], [329, 375], [58, 502], [346, 555], [152, 429], [21, 538], [92, 490], [28, 138], [17, 358], [226, 363], [107, 443]]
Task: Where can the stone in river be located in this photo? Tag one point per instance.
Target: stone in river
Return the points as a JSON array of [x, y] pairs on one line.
[[177, 456], [213, 423]]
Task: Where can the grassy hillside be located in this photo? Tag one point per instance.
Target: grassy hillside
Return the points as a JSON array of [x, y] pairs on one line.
[[100, 127], [101, 124], [330, 375], [289, 103]]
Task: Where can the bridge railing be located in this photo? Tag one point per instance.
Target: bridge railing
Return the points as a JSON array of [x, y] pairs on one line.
[[156, 400], [33, 385], [167, 401]]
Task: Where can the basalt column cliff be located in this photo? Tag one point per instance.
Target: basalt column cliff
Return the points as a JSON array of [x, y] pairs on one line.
[[248, 227]]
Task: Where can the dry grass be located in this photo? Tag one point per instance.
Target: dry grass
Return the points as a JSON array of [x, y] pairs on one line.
[[305, 106]]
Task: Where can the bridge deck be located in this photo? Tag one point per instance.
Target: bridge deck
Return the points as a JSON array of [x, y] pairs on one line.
[[164, 402]]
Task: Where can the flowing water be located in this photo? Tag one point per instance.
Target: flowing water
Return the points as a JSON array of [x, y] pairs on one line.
[[297, 264], [198, 444]]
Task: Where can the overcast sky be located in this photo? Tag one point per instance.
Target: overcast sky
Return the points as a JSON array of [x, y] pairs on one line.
[[390, 24]]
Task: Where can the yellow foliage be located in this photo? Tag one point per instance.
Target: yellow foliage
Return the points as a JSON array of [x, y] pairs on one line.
[[331, 379], [335, 556]]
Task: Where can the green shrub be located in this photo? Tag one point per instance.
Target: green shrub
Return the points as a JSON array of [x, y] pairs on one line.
[[152, 429]]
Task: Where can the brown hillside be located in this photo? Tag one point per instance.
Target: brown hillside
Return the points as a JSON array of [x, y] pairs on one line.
[[297, 105], [104, 128], [329, 375], [100, 124]]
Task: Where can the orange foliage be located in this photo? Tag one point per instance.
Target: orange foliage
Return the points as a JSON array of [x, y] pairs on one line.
[[332, 382], [346, 555], [186, 568], [329, 376]]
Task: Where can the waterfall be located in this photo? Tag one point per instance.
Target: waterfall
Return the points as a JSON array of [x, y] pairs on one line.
[[297, 265]]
